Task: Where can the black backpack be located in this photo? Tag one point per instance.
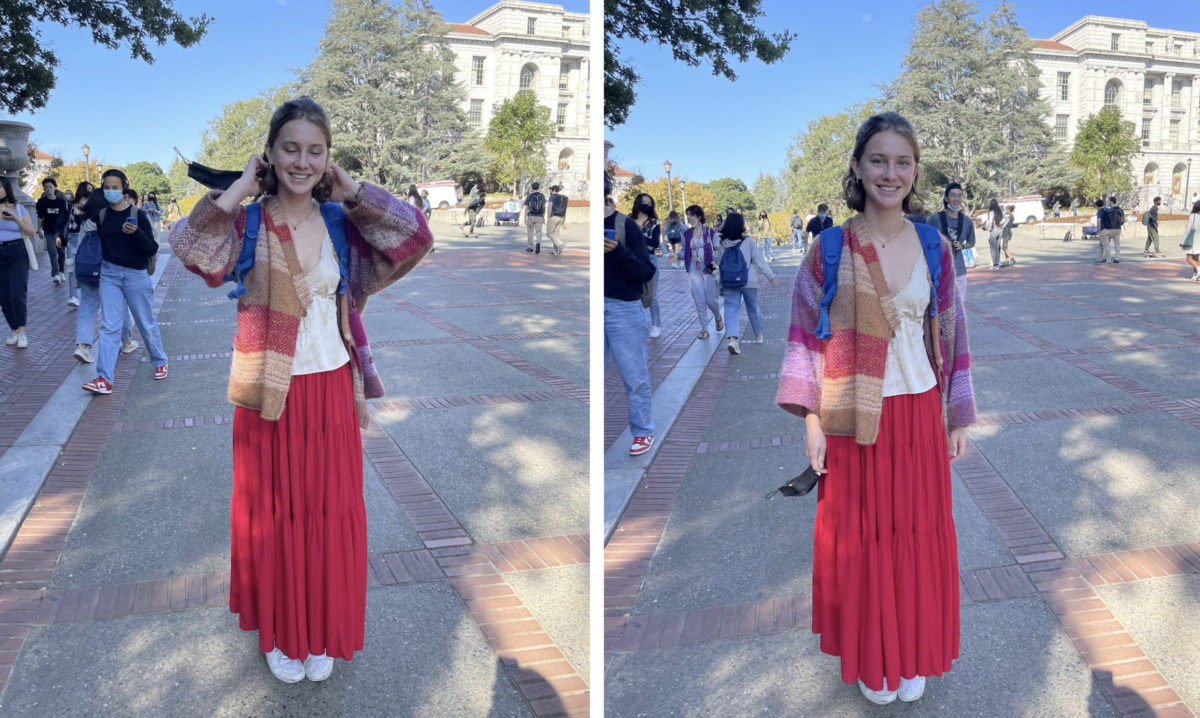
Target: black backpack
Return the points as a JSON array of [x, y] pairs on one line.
[[559, 208], [536, 203]]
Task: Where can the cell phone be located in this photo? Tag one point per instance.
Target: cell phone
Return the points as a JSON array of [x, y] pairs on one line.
[[131, 220], [610, 234]]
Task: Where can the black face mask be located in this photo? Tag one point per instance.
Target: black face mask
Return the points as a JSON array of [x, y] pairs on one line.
[[210, 178]]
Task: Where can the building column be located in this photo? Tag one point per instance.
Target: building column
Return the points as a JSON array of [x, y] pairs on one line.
[[1165, 111]]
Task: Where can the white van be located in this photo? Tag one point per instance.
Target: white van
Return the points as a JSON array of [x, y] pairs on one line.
[[443, 194], [1029, 209]]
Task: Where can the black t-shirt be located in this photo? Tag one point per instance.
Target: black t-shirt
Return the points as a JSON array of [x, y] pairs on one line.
[[627, 267], [128, 250], [52, 215], [816, 225]]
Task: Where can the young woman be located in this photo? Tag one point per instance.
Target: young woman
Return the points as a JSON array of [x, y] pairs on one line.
[[15, 225], [300, 378], [700, 262], [414, 198], [993, 224], [881, 426], [75, 221], [1006, 235], [174, 213], [83, 220], [766, 234], [152, 210], [673, 229], [126, 244], [1192, 253], [734, 238], [646, 217]]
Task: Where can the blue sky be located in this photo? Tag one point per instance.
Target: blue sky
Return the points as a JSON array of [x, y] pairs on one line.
[[709, 127], [126, 110]]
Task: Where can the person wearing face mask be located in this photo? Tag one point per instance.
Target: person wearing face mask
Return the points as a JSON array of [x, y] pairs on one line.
[[646, 218], [15, 225], [174, 213], [301, 375], [126, 244], [766, 234], [152, 210], [700, 262], [882, 382], [959, 229], [821, 222], [87, 321], [797, 225]]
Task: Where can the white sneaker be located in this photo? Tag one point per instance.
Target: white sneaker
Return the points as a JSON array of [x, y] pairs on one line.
[[63, 277], [129, 346], [288, 670], [84, 355], [879, 698], [73, 302], [733, 346], [911, 689], [655, 332], [55, 278], [22, 341], [12, 339], [318, 668], [758, 339]]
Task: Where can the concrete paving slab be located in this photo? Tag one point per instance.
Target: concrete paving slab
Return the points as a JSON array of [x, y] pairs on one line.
[[508, 471], [447, 370], [1189, 323], [1107, 332], [185, 339], [512, 319], [565, 356], [1004, 644], [558, 598], [548, 288], [1135, 302], [1163, 616], [387, 528], [424, 657], [452, 294], [619, 485], [180, 394], [23, 470], [1174, 373], [1037, 385], [1036, 309], [1094, 483], [994, 340], [583, 308], [217, 306], [157, 506], [747, 410], [757, 358], [398, 326]]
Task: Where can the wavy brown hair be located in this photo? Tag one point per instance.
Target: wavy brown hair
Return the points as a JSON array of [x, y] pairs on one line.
[[301, 108], [852, 190]]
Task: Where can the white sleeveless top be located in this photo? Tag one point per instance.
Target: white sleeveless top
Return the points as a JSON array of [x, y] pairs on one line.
[[319, 344], [908, 370]]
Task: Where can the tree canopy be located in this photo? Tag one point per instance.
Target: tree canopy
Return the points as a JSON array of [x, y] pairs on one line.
[[765, 192], [241, 129], [147, 177], [730, 192], [820, 155], [517, 136], [696, 194], [1103, 153], [716, 30], [28, 67]]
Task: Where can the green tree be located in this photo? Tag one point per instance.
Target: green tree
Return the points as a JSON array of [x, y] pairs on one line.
[[241, 129], [764, 192], [147, 177], [717, 30], [70, 174], [1056, 177], [696, 194], [182, 185], [28, 67], [820, 155], [517, 137], [1103, 153], [730, 192]]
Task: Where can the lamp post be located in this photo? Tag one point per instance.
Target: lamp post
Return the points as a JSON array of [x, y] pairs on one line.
[[683, 191], [87, 168], [670, 198]]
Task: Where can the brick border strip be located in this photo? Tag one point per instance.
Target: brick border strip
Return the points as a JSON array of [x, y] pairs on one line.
[[538, 553]]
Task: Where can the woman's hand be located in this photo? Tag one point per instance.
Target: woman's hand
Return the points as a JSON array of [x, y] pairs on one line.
[[247, 185], [128, 228], [814, 443], [344, 188], [958, 443]]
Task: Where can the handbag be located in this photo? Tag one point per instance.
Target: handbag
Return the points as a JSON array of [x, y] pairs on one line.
[[798, 486], [33, 265], [1187, 241]]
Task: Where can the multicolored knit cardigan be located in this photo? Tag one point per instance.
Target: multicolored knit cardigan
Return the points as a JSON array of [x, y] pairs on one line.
[[387, 238], [841, 379]]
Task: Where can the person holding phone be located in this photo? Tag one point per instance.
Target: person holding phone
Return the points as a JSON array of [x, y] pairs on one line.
[[700, 263], [126, 244], [15, 225]]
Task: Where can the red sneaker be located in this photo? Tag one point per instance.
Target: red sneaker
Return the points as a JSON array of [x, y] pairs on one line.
[[641, 444], [160, 372], [99, 385]]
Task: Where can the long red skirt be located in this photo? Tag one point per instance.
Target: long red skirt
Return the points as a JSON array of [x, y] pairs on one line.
[[885, 555], [299, 523]]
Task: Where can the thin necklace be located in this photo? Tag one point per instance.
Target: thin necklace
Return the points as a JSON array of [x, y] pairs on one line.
[[296, 227], [882, 243]]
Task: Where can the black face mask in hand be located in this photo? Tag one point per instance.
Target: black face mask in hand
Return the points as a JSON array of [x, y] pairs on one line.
[[210, 178]]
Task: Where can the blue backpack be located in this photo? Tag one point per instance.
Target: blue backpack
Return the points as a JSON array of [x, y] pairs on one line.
[[88, 258], [830, 247], [735, 270], [335, 222]]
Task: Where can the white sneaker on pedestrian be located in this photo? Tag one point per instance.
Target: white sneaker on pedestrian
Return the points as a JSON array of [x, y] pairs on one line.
[[733, 346], [318, 668], [758, 339], [54, 278], [22, 341], [655, 332], [879, 698], [12, 339], [288, 670], [129, 346], [911, 689], [73, 302], [84, 355]]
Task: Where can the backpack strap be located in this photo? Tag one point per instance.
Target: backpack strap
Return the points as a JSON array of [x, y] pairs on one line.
[[619, 226], [830, 248], [931, 242], [335, 222], [249, 243]]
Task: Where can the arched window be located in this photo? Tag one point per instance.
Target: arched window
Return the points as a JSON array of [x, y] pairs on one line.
[[1112, 92], [1149, 174], [529, 78], [564, 160]]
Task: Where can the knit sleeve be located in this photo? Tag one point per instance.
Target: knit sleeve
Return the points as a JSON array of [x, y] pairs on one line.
[[209, 240], [387, 239], [956, 354], [804, 362]]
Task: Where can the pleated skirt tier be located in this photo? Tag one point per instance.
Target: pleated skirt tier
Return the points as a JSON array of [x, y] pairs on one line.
[[885, 555], [298, 521]]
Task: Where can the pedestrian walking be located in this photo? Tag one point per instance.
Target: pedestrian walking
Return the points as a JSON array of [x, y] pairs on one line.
[[89, 318], [174, 212], [820, 222], [993, 224], [1074, 207], [52, 212], [699, 259], [302, 372], [1103, 222], [413, 197], [766, 234], [645, 216], [535, 218], [15, 260], [426, 206], [1191, 241], [673, 230], [75, 219], [127, 245], [628, 273], [152, 210], [953, 223], [1117, 215], [742, 265], [1006, 233], [882, 427], [478, 200], [557, 216], [720, 222], [1057, 207], [796, 222], [1150, 219]]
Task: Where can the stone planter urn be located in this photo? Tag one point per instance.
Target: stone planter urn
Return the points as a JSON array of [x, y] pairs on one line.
[[14, 157]]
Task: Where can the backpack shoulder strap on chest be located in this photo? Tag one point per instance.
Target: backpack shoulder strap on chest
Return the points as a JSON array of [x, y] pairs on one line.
[[830, 249], [931, 244], [619, 226], [335, 222], [249, 242]]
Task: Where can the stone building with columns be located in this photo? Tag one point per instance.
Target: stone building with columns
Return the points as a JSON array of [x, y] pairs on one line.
[[1151, 74], [516, 45]]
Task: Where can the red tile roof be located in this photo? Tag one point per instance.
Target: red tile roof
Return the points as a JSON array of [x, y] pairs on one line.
[[1052, 45], [467, 29], [618, 172], [38, 154]]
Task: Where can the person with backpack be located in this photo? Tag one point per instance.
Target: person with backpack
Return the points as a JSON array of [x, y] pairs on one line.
[[535, 218], [319, 244], [644, 214], [1150, 219], [15, 260], [629, 272], [742, 265], [87, 290], [474, 207], [820, 222], [674, 229], [52, 209], [1104, 222], [558, 217], [796, 222], [1006, 233], [1117, 223], [126, 245], [882, 381], [955, 225], [699, 259]]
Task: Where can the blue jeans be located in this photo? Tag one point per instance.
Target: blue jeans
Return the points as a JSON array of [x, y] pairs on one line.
[[768, 250], [733, 303], [655, 312], [121, 287], [72, 248], [797, 238], [85, 318], [625, 335]]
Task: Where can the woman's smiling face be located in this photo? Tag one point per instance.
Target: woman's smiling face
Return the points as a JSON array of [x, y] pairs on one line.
[[300, 156], [888, 169]]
